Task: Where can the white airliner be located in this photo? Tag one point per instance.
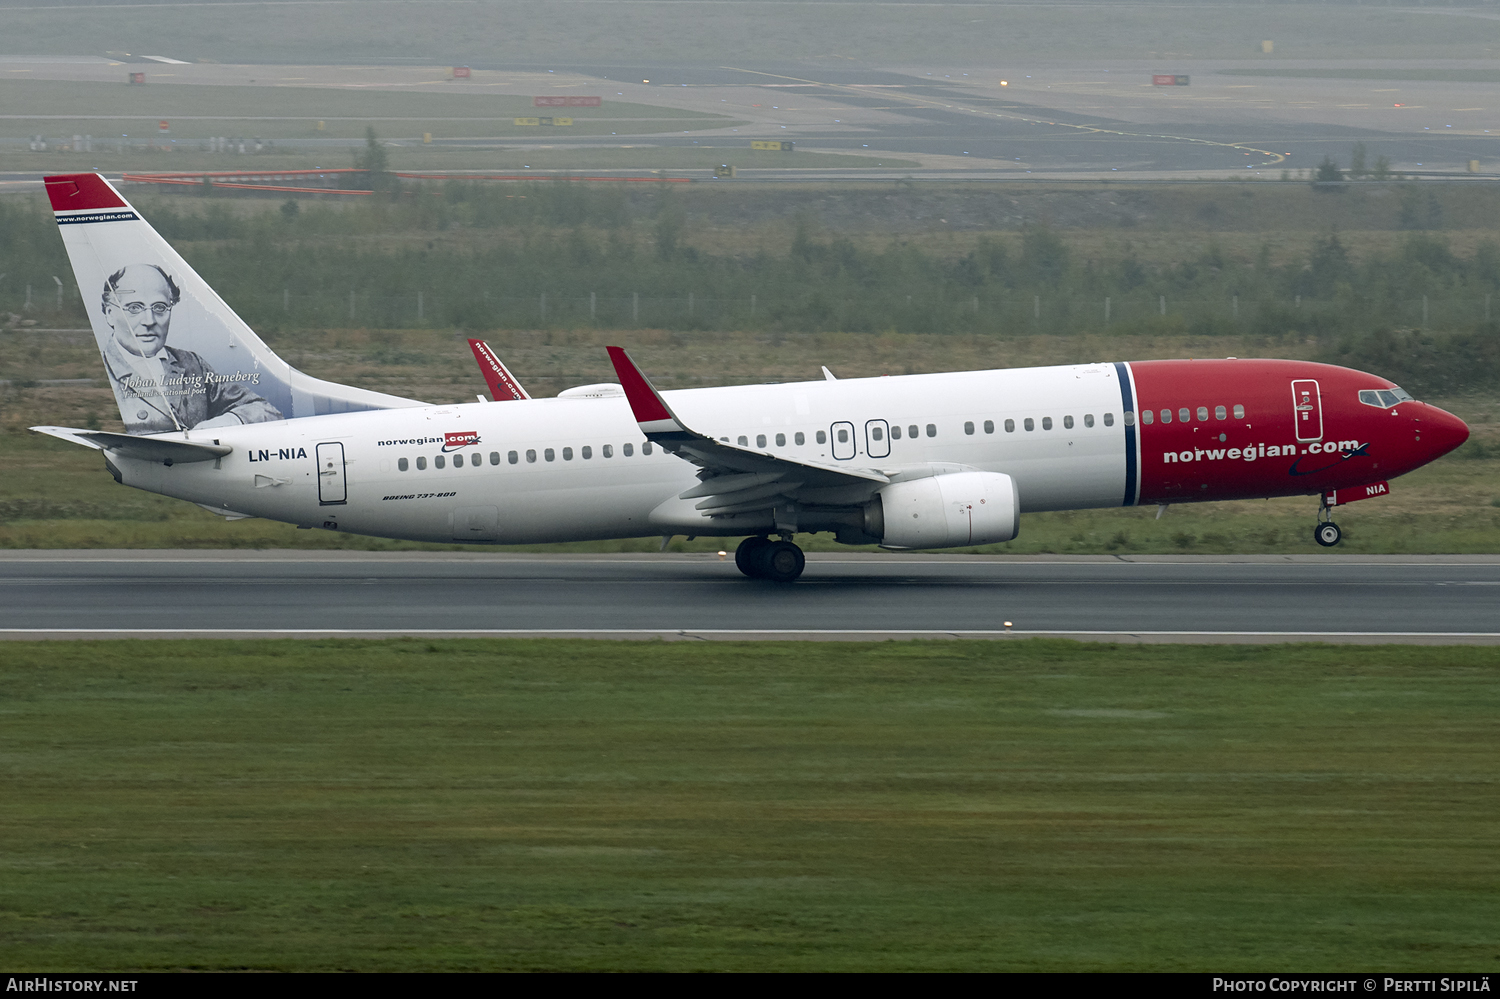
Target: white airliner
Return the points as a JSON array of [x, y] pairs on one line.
[[916, 461]]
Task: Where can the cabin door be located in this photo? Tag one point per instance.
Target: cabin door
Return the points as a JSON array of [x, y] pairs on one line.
[[332, 489], [1307, 410]]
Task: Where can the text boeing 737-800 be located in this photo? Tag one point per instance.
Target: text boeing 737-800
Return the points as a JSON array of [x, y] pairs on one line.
[[915, 461]]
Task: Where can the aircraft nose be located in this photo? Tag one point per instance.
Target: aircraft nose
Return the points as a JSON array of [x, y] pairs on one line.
[[1441, 431]]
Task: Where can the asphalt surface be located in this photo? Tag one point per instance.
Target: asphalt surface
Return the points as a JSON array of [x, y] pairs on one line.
[[854, 596]]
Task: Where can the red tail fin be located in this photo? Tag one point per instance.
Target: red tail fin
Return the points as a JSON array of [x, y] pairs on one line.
[[502, 384]]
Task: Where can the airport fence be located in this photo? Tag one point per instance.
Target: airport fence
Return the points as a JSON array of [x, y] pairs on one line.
[[920, 312]]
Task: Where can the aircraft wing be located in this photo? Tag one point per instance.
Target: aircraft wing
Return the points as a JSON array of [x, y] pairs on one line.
[[165, 450], [502, 384], [736, 479]]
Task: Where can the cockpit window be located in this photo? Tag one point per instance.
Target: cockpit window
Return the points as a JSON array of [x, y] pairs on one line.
[[1384, 398]]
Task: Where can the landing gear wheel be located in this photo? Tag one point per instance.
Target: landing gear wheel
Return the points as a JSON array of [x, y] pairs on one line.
[[780, 562], [745, 555], [1327, 534]]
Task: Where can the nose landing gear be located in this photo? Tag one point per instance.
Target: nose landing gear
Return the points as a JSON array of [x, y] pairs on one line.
[[1326, 533], [762, 558]]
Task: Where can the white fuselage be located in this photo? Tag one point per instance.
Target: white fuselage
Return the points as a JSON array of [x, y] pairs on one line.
[[580, 469]]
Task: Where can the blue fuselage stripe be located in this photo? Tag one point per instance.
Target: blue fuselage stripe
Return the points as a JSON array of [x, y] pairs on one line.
[[1128, 402]]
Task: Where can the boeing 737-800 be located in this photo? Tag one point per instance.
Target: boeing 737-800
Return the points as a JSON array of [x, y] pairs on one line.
[[215, 417]]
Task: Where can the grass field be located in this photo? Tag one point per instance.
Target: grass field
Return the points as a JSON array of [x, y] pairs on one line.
[[644, 33], [416, 157], [569, 805]]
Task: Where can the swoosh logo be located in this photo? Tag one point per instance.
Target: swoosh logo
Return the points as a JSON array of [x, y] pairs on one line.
[[1362, 450]]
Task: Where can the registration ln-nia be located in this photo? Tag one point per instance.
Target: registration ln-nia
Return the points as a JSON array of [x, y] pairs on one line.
[[212, 415]]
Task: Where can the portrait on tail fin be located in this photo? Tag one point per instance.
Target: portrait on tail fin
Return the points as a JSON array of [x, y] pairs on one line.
[[161, 388]]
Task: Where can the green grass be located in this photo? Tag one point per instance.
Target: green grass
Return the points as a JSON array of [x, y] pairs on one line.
[[958, 36], [417, 157], [571, 805], [1440, 75], [51, 98]]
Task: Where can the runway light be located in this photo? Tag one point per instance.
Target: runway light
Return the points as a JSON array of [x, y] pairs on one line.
[[1007, 627], [1004, 83], [721, 555]]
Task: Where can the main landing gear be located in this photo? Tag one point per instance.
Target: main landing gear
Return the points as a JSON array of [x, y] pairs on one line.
[[762, 558], [1326, 533]]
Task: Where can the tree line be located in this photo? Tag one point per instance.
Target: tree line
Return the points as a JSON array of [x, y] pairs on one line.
[[577, 254]]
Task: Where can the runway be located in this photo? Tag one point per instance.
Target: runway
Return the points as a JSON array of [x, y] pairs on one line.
[[854, 596]]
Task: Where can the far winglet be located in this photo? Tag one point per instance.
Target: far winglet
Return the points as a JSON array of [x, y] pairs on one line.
[[502, 384], [656, 419]]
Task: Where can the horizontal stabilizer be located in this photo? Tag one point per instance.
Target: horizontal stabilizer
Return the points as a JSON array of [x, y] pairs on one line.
[[166, 451]]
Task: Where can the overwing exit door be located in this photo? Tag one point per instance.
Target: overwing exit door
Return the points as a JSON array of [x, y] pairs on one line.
[[331, 487], [1307, 409], [843, 440], [877, 439]]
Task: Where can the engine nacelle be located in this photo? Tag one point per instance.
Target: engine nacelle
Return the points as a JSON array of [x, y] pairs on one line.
[[949, 511]]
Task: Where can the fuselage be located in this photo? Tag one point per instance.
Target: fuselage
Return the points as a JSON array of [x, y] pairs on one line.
[[1071, 437]]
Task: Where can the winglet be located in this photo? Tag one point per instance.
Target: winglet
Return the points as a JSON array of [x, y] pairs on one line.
[[651, 411], [502, 384]]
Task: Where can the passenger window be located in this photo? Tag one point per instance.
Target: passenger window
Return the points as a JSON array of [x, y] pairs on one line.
[[607, 450], [530, 456], [1239, 412], [1067, 423], [438, 462], [1220, 413], [911, 431], [822, 437], [781, 440], [760, 440], [401, 464], [1166, 416], [989, 426], [1147, 417], [587, 452], [1010, 426], [646, 448], [421, 464], [800, 438], [743, 441], [877, 433], [896, 432], [512, 457], [1184, 414], [969, 427], [843, 436], [494, 457], [458, 461], [1046, 423], [628, 450], [1202, 414], [567, 454], [932, 430], [1109, 419], [1088, 419], [1029, 424], [549, 454], [475, 460]]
